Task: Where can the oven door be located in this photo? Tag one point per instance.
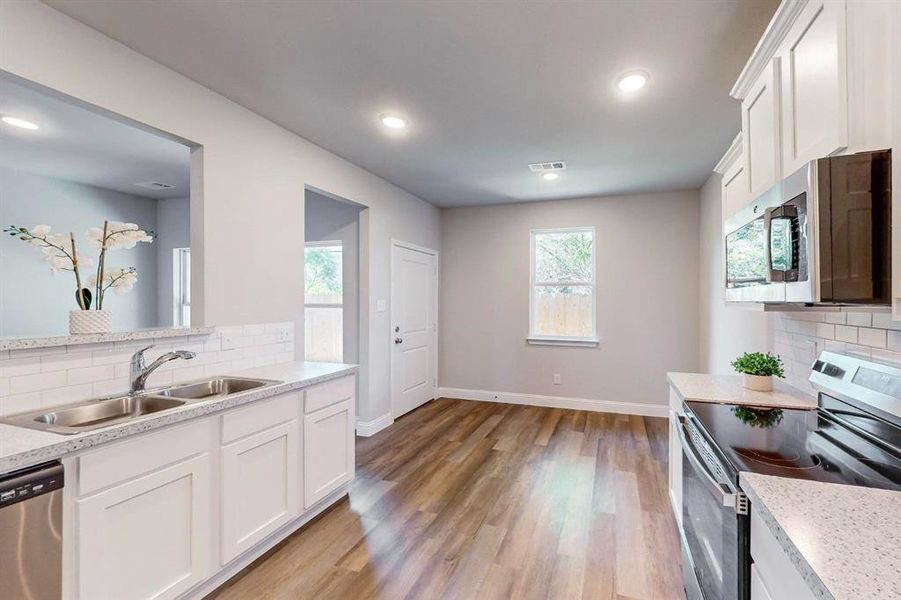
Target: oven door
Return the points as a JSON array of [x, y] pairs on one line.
[[715, 535]]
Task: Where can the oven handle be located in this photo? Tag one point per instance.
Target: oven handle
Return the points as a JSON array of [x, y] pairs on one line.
[[727, 496]]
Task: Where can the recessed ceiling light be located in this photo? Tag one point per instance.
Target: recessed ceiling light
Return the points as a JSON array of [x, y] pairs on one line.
[[393, 121], [632, 81], [16, 122], [550, 176]]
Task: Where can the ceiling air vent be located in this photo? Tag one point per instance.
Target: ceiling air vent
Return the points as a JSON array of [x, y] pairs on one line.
[[554, 165], [155, 185]]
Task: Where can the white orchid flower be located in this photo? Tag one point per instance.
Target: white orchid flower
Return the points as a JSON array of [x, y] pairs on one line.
[[39, 231], [121, 279], [118, 235]]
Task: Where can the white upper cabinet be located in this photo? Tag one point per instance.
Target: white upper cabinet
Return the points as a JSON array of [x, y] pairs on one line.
[[760, 131], [814, 88], [824, 80], [735, 187]]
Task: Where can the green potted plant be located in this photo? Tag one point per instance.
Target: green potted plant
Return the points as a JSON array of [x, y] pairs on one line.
[[758, 370]]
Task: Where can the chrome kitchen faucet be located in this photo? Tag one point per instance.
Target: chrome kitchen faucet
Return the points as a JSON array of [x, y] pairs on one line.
[[139, 371]]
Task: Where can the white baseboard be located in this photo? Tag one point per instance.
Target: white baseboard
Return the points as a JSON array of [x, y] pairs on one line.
[[608, 406], [368, 428]]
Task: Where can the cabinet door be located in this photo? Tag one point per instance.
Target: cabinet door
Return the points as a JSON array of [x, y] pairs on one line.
[[758, 588], [814, 85], [260, 486], [760, 131], [675, 459], [147, 538], [735, 189], [328, 450]]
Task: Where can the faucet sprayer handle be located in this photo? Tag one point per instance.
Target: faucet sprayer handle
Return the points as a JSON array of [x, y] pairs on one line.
[[138, 357]]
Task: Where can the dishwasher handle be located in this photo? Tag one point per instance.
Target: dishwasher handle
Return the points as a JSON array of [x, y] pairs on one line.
[[31, 482]]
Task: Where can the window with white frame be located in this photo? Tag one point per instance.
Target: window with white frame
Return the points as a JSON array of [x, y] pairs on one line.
[[563, 287], [324, 301], [181, 287]]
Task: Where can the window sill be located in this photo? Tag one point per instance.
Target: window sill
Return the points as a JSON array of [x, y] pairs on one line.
[[551, 341]]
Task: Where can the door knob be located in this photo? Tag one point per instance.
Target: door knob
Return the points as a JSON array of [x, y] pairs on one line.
[[398, 340]]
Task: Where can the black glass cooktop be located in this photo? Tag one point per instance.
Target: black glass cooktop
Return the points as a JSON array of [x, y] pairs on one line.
[[836, 443]]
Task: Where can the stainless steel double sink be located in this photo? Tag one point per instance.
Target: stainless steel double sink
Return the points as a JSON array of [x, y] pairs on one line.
[[94, 414]]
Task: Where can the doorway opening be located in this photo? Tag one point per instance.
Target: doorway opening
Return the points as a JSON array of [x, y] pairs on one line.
[[331, 278]]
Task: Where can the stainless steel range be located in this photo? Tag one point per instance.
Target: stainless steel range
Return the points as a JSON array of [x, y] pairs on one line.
[[852, 438]]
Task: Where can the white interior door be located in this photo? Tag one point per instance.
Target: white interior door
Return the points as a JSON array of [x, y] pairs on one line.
[[414, 331]]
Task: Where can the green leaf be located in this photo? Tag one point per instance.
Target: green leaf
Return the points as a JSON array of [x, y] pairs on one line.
[[757, 363], [86, 293]]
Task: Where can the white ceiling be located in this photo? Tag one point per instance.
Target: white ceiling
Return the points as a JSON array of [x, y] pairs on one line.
[[488, 86], [76, 144]]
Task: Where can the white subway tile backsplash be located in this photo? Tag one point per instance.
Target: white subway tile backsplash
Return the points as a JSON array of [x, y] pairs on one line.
[[110, 387], [58, 362], [63, 395], [860, 319], [884, 321], [839, 318], [871, 337], [23, 384], [826, 330], [844, 333], [254, 329], [886, 356], [16, 403], [35, 378], [91, 374], [12, 367], [894, 341]]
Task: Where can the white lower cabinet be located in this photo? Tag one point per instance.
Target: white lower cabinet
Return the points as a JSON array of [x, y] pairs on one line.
[[144, 510], [758, 588], [328, 458], [675, 455], [146, 538], [775, 574], [260, 486]]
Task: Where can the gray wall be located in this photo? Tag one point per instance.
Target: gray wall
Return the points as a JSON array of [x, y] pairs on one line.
[[251, 169], [173, 222], [647, 309], [726, 331], [34, 302], [328, 219]]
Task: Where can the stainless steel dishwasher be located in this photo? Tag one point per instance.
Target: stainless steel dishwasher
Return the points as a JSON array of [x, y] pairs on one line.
[[31, 521]]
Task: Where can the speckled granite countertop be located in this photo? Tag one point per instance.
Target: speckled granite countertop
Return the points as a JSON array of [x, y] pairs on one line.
[[728, 389], [844, 540], [20, 447]]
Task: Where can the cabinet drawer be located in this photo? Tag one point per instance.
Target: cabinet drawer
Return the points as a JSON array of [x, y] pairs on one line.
[[774, 568], [132, 458], [259, 416], [326, 394]]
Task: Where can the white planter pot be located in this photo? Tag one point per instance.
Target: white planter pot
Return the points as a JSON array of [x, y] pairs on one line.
[[90, 321], [759, 383]]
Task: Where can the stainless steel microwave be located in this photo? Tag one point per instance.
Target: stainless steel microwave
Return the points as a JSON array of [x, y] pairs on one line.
[[822, 235]]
